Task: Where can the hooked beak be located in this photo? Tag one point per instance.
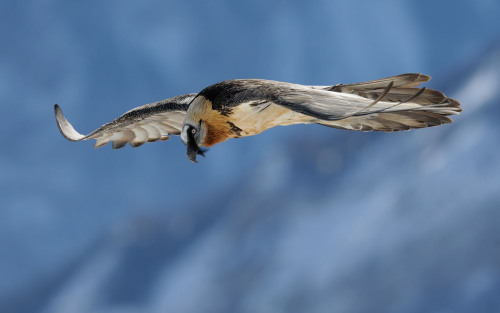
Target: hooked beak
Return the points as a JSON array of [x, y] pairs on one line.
[[193, 150]]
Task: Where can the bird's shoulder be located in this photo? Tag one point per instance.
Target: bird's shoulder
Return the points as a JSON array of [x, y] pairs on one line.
[[231, 93]]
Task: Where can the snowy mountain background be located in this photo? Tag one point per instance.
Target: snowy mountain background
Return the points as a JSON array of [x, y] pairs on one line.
[[297, 219]]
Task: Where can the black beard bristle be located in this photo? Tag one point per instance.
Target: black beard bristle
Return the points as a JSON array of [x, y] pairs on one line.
[[202, 151]]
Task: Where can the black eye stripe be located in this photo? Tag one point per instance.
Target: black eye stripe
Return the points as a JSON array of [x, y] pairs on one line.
[[191, 132]]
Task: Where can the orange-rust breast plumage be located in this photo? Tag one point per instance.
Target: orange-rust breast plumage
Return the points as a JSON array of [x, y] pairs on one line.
[[216, 125]]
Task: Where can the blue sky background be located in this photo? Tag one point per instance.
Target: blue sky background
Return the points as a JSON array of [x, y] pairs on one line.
[[256, 206]]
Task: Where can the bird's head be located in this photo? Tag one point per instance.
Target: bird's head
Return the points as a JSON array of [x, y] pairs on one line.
[[193, 134]]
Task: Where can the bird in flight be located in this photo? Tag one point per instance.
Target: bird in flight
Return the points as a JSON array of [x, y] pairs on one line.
[[245, 107]]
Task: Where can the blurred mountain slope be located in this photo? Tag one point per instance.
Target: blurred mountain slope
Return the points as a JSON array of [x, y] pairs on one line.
[[327, 221], [300, 215]]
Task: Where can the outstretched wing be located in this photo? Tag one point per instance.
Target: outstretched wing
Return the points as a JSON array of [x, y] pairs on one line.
[[150, 122], [388, 104]]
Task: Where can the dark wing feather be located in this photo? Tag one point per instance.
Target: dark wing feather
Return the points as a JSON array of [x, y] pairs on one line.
[[407, 107], [230, 93], [150, 122], [401, 81]]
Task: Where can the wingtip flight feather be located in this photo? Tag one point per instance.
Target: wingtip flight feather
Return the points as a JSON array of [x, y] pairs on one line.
[[65, 127]]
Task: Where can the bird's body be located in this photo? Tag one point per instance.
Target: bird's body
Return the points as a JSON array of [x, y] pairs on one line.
[[246, 107], [247, 115]]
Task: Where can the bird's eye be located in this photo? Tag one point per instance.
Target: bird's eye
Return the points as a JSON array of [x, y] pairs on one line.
[[193, 131]]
